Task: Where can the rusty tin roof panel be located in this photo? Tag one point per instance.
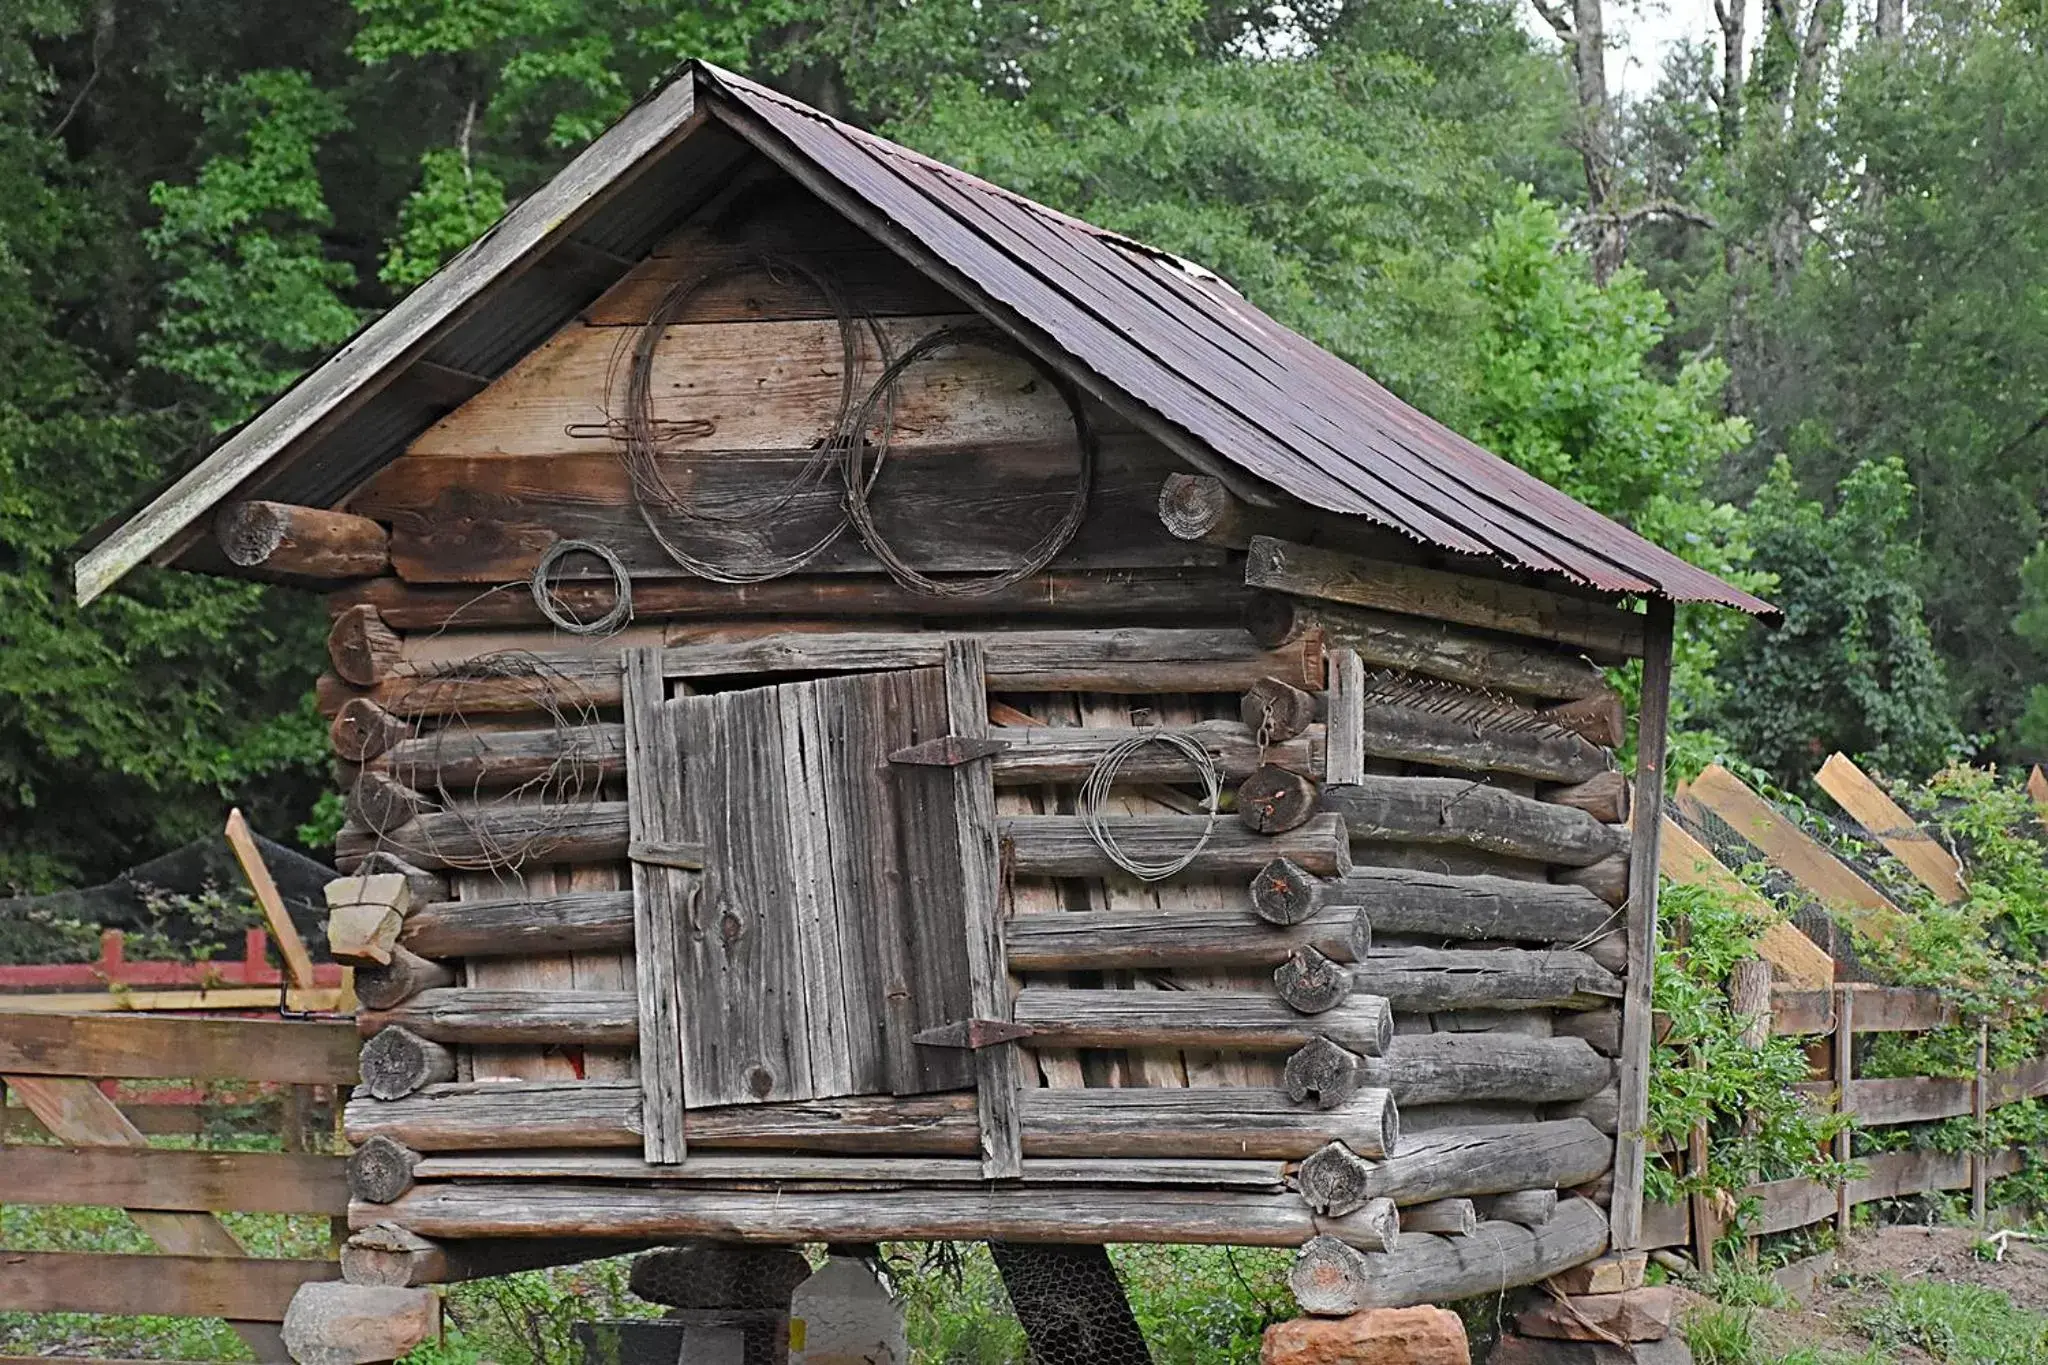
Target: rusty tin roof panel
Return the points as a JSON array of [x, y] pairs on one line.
[[1183, 343]]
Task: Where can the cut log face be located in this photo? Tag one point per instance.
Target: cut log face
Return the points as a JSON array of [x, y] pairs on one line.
[[381, 1170], [379, 804], [1278, 710], [396, 1062], [1327, 1276], [363, 649], [301, 542], [1283, 892], [1274, 800], [1607, 878], [362, 730], [1333, 1180], [1311, 982], [1323, 1073]]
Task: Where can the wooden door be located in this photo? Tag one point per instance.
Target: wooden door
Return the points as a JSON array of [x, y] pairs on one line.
[[827, 925]]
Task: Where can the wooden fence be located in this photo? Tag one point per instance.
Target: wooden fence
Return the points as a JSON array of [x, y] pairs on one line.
[[55, 1066], [117, 982], [1838, 1016], [1808, 1002]]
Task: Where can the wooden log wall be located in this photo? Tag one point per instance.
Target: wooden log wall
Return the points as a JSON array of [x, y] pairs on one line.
[[1415, 950]]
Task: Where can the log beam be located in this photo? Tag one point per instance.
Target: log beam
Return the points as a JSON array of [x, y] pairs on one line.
[[1429, 1269], [1447, 810], [301, 542]]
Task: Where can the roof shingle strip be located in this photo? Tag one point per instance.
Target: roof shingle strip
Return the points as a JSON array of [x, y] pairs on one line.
[[1399, 466]]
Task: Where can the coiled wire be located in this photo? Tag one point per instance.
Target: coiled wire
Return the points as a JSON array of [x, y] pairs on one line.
[[1095, 796]]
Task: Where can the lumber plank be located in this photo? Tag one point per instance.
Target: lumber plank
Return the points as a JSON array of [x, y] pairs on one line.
[[1831, 881], [298, 962], [241, 1290], [1882, 818], [1799, 961], [193, 1181], [320, 1000], [138, 1047], [1646, 809], [1307, 571]]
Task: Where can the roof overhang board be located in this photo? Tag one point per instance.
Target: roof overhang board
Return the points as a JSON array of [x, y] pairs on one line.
[[361, 370]]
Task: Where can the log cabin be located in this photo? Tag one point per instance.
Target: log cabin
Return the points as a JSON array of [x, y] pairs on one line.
[[870, 708]]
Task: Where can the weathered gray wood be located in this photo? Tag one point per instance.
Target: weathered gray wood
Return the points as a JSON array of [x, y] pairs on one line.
[[498, 836], [1448, 810], [386, 1254], [563, 922], [1601, 718], [663, 898], [1446, 860], [472, 1014], [381, 1170], [1601, 1028], [1500, 738], [997, 1079], [1146, 1123], [1279, 710], [1429, 979], [1285, 893], [1039, 754], [1333, 1178], [1274, 800], [1061, 846], [1404, 901], [396, 1061], [1530, 1208], [1093, 940], [462, 757], [1447, 1068], [1002, 1211], [1310, 982], [1332, 575], [301, 542], [406, 975], [1233, 1020], [1428, 1269], [739, 1169], [1431, 648], [1323, 1073], [1653, 719], [377, 803], [1460, 1163], [1452, 1217], [1603, 796], [1348, 709]]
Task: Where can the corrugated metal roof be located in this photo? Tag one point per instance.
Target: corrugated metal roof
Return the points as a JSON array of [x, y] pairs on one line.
[[1185, 345], [1167, 337]]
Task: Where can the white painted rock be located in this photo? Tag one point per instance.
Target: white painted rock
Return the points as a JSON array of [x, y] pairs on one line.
[[843, 1316]]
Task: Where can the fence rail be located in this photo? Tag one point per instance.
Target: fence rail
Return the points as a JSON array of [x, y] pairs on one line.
[[55, 1065]]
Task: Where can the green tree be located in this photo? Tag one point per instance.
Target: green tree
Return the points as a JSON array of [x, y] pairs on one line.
[[1853, 668]]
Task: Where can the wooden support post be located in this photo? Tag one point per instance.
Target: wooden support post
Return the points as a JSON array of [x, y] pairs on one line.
[[1845, 1072], [1979, 1099], [1646, 809], [997, 1079], [298, 962], [1344, 753], [661, 900]]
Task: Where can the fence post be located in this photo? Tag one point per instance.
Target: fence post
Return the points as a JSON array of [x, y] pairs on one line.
[[1749, 999], [1979, 1161], [1845, 1072]]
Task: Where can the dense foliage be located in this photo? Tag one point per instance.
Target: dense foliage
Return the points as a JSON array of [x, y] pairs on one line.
[[1792, 325]]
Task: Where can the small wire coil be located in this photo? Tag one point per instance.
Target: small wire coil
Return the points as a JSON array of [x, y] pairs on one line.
[[1102, 777], [613, 621]]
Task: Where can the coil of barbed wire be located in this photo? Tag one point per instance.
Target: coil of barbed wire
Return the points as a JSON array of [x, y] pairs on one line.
[[640, 432], [1095, 791], [557, 614], [860, 481]]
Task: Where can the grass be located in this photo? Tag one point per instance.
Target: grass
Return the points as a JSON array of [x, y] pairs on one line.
[[1959, 1324]]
